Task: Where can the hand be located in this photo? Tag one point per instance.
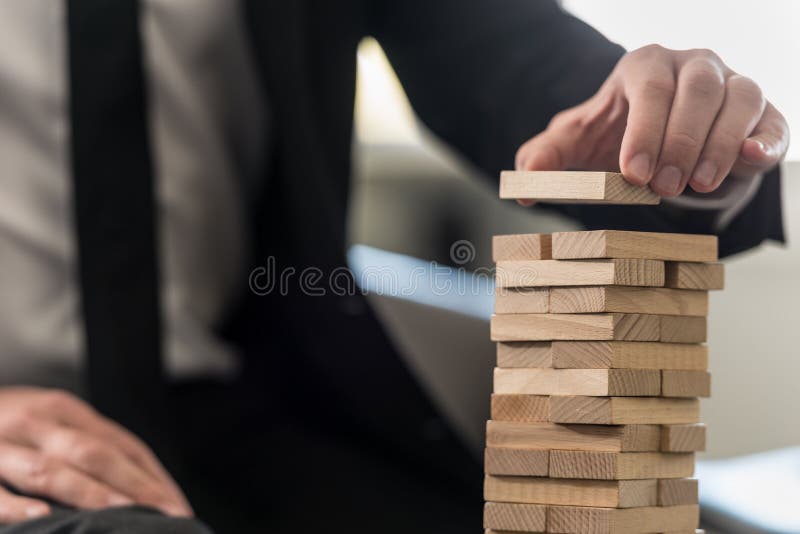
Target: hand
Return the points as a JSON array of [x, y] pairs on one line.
[[666, 118], [54, 445]]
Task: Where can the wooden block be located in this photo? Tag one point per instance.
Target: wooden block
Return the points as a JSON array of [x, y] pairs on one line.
[[519, 462], [622, 299], [569, 326], [685, 275], [644, 245], [620, 465], [523, 300], [521, 247], [597, 382], [585, 520], [548, 273], [628, 355], [575, 187], [683, 438], [623, 410], [604, 493], [623, 438], [685, 383], [678, 491], [525, 354], [505, 516], [675, 329], [521, 408]]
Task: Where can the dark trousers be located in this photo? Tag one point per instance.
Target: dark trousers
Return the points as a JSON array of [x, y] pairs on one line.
[[249, 465]]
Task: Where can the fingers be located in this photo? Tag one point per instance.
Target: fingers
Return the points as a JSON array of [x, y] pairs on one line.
[[743, 107], [766, 146], [36, 474], [16, 509], [699, 97]]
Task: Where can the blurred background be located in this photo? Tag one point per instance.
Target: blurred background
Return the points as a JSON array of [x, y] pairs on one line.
[[413, 196]]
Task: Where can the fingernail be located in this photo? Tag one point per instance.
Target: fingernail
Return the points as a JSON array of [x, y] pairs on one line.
[[639, 167], [668, 180], [705, 173], [36, 510], [119, 500]]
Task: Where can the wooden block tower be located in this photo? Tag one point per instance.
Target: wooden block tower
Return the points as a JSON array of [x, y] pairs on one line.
[[600, 363]]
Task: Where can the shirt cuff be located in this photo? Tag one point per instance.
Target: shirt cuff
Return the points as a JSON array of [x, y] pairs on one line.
[[729, 199]]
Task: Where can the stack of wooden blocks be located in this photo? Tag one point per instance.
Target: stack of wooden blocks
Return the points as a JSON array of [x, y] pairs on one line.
[[600, 363]]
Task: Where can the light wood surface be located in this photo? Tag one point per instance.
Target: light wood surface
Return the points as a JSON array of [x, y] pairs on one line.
[[628, 355], [604, 493], [619, 438], [678, 491], [521, 247], [525, 354], [575, 187], [522, 300], [685, 383], [521, 408], [569, 326], [619, 465], [585, 520], [623, 244], [683, 275], [505, 516], [652, 300], [519, 462], [681, 329], [597, 382], [602, 272], [683, 438], [623, 410]]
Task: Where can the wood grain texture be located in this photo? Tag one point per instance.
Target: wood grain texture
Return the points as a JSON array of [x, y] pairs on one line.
[[522, 300], [623, 410], [586, 520], [597, 382], [675, 329], [547, 436], [521, 247], [604, 493], [575, 187], [514, 517], [525, 354], [684, 275], [518, 462], [619, 465], [685, 383], [644, 245], [683, 438], [622, 299], [549, 273], [678, 491], [569, 326], [628, 355], [521, 408]]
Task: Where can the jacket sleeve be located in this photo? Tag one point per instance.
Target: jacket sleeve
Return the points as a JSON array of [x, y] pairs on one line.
[[486, 75]]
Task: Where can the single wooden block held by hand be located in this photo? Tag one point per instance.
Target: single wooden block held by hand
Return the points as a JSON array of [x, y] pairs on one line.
[[538, 490], [623, 410], [518, 462], [582, 437], [574, 187], [683, 438], [686, 275], [547, 273], [503, 516], [586, 520], [685, 383], [644, 245], [521, 247], [592, 382], [521, 408], [588, 327], [677, 491], [628, 355], [522, 300], [622, 299], [619, 465]]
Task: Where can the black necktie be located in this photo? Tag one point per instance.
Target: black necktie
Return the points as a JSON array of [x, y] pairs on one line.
[[114, 210]]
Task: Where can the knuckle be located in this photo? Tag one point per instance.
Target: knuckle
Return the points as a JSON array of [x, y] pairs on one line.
[[682, 143], [705, 81], [705, 54], [659, 86], [57, 399], [91, 454], [40, 472], [16, 423], [745, 89], [650, 50]]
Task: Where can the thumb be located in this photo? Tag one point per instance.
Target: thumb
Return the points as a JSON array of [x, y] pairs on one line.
[[766, 145]]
